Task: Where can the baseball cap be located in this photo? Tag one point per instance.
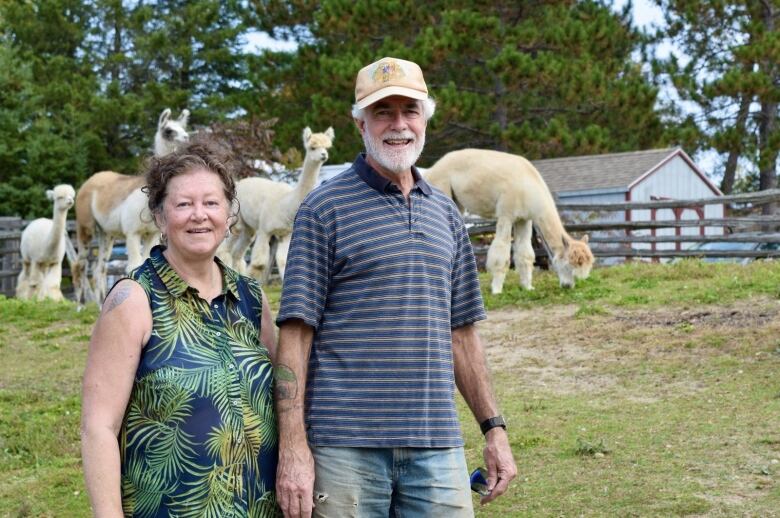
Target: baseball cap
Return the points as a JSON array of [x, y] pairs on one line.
[[386, 77]]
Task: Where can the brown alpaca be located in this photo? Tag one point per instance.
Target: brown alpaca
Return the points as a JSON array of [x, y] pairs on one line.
[[112, 206]]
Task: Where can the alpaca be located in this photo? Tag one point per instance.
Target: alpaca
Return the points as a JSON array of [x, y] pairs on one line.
[[268, 209], [509, 188], [110, 205], [171, 133], [43, 248]]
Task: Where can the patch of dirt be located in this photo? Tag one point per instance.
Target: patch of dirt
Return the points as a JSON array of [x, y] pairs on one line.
[[553, 350], [740, 314], [650, 356]]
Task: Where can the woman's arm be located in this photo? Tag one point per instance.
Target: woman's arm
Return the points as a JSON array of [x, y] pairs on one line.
[[124, 326], [267, 336]]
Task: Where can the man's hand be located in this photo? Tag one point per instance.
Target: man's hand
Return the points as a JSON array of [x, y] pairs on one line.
[[295, 481], [500, 464]]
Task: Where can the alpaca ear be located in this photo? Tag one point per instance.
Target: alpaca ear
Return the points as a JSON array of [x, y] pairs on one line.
[[306, 135], [49, 194], [329, 133], [184, 117], [566, 242], [585, 238], [164, 116]]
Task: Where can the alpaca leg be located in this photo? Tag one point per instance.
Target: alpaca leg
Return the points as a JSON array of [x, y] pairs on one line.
[[281, 254], [35, 281], [105, 244], [52, 281], [238, 244], [134, 252], [23, 282], [498, 254], [523, 251], [258, 263], [79, 274]]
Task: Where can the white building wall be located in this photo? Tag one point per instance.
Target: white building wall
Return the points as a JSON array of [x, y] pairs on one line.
[[675, 180]]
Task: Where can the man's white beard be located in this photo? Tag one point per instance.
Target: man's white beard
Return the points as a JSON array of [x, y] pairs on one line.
[[395, 161]]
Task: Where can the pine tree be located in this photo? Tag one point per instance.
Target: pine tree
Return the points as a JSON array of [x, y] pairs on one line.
[[540, 79], [732, 75], [47, 93]]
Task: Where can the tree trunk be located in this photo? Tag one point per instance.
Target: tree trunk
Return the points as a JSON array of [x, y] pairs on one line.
[[730, 173], [767, 127], [500, 115]]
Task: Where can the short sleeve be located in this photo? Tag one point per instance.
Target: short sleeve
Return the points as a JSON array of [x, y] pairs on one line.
[[307, 275], [467, 306]]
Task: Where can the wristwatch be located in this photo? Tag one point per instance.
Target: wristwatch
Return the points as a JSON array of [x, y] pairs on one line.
[[489, 424]]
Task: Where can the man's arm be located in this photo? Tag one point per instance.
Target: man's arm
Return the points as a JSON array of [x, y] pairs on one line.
[[473, 380], [295, 472]]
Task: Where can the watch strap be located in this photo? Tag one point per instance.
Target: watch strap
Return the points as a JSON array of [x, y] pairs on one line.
[[493, 422]]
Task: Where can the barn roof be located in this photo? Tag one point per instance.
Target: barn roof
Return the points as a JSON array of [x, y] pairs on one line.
[[597, 172]]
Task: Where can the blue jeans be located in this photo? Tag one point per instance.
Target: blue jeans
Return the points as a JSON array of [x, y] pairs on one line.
[[391, 482]]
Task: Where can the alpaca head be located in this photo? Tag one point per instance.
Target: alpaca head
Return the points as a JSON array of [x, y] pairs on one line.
[[317, 144], [63, 197], [574, 261], [171, 133]]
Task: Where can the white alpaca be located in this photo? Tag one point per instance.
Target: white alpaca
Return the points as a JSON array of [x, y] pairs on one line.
[[268, 209], [43, 248], [112, 206], [507, 187]]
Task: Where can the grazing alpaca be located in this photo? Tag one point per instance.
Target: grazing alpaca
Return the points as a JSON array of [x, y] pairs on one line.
[[509, 188], [43, 248], [268, 209], [110, 205]]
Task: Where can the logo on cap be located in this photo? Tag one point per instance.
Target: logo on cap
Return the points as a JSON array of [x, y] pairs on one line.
[[388, 71]]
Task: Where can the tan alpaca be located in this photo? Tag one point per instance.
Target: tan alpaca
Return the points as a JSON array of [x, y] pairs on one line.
[[507, 187], [112, 206], [267, 209], [43, 248]]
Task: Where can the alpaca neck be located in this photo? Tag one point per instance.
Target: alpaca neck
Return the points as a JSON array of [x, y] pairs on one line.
[[549, 224], [162, 148], [308, 179], [59, 220]]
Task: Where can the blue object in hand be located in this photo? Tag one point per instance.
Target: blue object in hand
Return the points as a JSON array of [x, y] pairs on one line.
[[478, 481]]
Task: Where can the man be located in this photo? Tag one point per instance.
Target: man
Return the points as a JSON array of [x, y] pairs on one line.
[[377, 326]]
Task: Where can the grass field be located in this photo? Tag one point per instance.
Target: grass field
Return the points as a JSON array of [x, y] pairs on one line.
[[648, 390]]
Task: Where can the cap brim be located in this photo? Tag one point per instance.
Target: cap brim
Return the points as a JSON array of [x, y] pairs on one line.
[[390, 91]]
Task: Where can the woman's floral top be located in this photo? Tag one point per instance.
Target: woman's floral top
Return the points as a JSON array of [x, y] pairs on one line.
[[199, 436]]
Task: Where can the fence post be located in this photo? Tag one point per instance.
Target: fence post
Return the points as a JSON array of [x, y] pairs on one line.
[[10, 261]]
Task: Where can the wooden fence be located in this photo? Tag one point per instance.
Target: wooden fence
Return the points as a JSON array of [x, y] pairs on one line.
[[619, 239], [10, 258], [609, 239]]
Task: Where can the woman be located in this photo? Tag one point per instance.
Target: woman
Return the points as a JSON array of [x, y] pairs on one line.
[[177, 413]]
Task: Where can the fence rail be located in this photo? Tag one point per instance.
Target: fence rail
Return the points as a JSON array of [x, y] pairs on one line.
[[748, 228], [10, 258], [612, 238]]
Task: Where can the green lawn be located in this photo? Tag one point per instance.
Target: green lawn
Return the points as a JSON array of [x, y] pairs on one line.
[[648, 390]]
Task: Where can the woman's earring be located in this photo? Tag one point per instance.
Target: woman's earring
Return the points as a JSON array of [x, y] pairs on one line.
[[163, 238]]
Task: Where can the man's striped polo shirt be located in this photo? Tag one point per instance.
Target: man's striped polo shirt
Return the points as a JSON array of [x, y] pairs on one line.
[[383, 281]]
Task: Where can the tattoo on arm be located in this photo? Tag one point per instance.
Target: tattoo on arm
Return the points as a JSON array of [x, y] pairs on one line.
[[116, 297], [286, 383]]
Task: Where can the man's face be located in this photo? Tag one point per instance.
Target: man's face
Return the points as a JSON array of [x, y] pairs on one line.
[[394, 133]]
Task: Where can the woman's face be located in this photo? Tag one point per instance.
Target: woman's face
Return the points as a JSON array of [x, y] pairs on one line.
[[195, 214]]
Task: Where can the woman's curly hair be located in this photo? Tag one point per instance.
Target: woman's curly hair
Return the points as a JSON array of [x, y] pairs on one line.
[[196, 155]]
